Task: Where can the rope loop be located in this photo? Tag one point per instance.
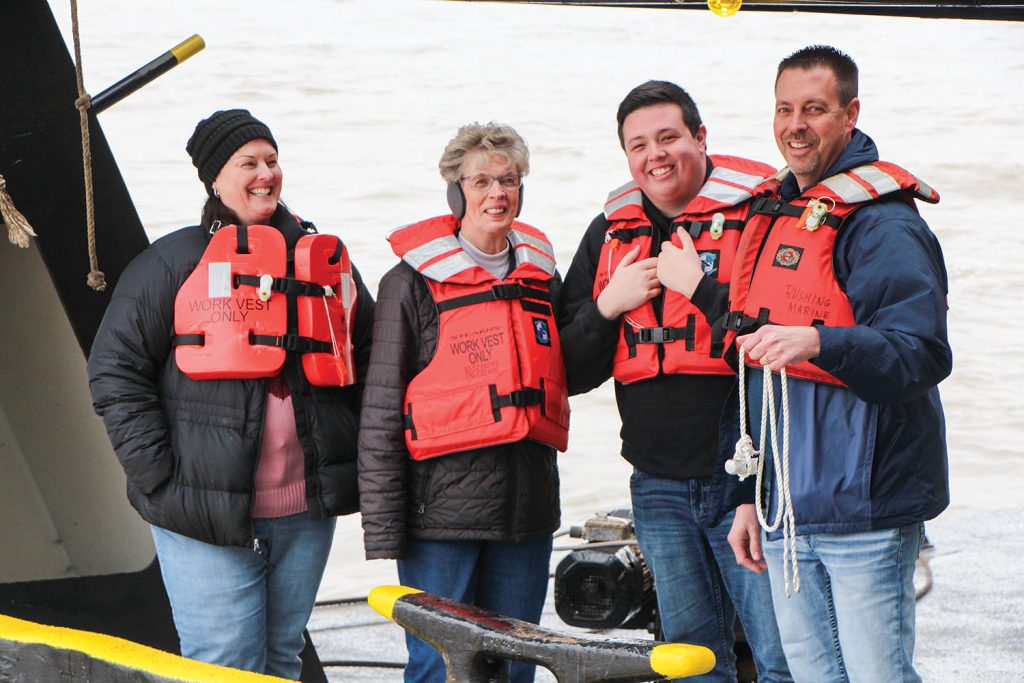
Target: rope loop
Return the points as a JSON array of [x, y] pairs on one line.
[[784, 515]]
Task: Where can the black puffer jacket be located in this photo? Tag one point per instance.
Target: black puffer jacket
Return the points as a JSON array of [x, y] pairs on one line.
[[190, 448], [506, 492]]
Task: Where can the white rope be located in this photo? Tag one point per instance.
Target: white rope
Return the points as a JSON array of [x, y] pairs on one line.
[[746, 458], [329, 292]]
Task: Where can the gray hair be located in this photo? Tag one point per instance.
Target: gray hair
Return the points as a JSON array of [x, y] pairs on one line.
[[490, 138]]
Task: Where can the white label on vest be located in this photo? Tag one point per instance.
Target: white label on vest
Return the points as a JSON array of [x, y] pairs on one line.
[[346, 290], [220, 280]]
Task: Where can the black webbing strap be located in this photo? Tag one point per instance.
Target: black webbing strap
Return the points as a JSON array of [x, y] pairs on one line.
[[292, 342], [407, 417], [629, 234], [695, 228], [660, 335], [742, 323], [242, 239], [519, 399], [666, 335], [505, 291], [188, 340], [778, 207], [285, 285]]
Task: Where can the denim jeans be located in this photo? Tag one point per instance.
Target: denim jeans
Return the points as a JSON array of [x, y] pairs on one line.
[[699, 585], [508, 577], [853, 619], [235, 607]]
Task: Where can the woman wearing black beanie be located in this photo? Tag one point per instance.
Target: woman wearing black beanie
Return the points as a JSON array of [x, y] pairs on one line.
[[228, 370]]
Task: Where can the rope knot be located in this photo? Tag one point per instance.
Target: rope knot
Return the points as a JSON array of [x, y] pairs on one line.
[[97, 280], [18, 229], [83, 102]]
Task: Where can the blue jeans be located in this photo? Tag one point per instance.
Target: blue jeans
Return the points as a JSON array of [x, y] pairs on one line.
[[237, 608], [853, 619], [699, 585], [508, 577]]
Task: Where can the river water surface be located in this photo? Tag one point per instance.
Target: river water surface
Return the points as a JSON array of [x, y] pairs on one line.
[[362, 96]]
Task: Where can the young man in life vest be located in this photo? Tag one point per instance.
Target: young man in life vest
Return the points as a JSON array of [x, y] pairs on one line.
[[661, 248], [840, 281]]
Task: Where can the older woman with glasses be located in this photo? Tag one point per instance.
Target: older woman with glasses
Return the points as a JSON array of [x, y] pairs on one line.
[[466, 401]]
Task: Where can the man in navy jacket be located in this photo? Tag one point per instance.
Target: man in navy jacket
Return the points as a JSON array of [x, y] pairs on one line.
[[867, 453]]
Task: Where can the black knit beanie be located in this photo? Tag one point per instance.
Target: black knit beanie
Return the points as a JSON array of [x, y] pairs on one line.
[[219, 136]]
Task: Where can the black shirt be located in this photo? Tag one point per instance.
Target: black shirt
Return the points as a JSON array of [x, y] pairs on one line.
[[669, 422]]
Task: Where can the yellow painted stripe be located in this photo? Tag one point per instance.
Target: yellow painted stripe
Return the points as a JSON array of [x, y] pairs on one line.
[[678, 660], [125, 653], [383, 598], [187, 48]]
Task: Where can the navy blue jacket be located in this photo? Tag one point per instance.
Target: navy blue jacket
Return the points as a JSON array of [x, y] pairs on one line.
[[872, 456]]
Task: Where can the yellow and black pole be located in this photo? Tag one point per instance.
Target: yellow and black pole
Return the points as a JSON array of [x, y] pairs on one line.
[[477, 645], [140, 77]]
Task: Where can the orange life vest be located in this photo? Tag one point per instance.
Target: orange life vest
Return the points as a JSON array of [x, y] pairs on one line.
[[714, 218], [229, 324], [497, 374], [784, 273]]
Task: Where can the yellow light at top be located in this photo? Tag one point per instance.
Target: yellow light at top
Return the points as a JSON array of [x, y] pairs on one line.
[[724, 8]]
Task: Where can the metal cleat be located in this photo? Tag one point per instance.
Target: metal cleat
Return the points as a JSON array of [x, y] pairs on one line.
[[477, 645]]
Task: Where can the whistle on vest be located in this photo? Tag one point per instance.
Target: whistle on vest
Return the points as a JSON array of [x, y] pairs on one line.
[[264, 290], [814, 215], [612, 242], [717, 226]]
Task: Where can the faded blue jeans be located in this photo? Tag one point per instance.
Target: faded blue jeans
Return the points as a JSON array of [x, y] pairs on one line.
[[508, 577], [237, 608], [699, 585], [853, 619]]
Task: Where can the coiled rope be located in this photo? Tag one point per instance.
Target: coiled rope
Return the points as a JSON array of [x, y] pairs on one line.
[[96, 278], [745, 452], [18, 229]]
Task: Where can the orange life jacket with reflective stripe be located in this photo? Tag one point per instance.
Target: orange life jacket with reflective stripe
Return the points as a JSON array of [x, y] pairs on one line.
[[681, 341], [784, 272], [231, 313], [497, 374]]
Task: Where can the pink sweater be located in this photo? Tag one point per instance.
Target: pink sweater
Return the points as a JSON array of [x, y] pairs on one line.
[[280, 475]]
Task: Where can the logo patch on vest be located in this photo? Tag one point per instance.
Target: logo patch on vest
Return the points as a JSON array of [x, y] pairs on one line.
[[788, 257], [541, 332], [709, 261]]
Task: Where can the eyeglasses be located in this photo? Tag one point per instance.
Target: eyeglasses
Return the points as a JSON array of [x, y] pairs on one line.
[[482, 182]]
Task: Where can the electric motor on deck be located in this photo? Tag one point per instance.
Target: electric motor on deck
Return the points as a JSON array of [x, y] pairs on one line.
[[605, 583]]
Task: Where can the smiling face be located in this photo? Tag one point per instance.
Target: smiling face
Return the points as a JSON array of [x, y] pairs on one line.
[[812, 126], [489, 214], [250, 182], [665, 159]]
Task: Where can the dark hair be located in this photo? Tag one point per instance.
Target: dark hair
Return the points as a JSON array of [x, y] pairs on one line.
[[656, 92], [814, 56], [215, 210]]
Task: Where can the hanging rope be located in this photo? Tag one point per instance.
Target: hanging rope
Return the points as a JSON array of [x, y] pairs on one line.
[[745, 452], [18, 229], [96, 279]]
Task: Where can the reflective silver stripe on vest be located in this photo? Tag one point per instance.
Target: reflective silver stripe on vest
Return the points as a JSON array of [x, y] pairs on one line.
[[431, 250], [728, 194], [850, 191], [634, 197], [542, 256], [925, 190], [447, 267]]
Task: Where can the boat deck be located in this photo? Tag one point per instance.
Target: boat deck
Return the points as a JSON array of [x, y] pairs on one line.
[[969, 623]]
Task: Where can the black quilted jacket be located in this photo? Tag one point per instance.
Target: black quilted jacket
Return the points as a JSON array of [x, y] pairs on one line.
[[190, 448], [506, 492]]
